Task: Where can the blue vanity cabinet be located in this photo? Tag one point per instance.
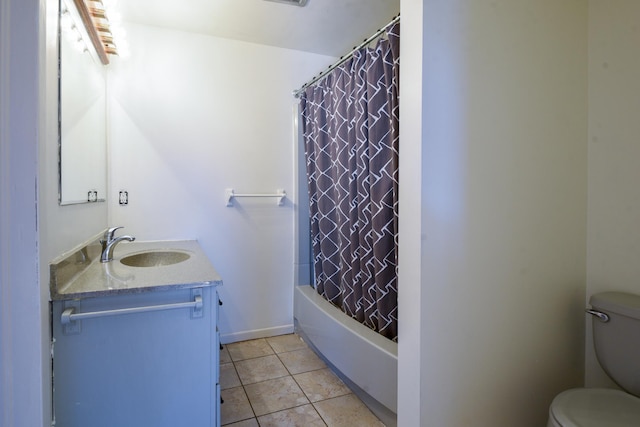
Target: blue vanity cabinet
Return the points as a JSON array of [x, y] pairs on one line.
[[137, 359]]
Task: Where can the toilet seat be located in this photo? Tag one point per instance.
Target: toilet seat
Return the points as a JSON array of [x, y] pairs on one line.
[[594, 407]]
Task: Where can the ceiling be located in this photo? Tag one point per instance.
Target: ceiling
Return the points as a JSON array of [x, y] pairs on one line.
[[327, 27]]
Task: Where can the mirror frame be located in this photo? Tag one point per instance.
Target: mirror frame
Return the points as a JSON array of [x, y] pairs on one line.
[[94, 57]]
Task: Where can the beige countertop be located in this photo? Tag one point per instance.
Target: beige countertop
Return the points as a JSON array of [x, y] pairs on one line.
[[80, 274]]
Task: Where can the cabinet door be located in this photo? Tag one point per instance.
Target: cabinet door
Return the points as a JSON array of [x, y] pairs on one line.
[[153, 368]]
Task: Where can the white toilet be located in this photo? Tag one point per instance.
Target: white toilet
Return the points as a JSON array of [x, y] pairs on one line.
[[616, 337]]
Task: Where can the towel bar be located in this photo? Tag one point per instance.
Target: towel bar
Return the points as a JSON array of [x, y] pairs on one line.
[[230, 194]]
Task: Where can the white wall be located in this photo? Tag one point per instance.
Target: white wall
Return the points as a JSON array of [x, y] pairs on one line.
[[21, 330], [411, 345], [503, 210], [34, 228], [614, 153], [191, 115]]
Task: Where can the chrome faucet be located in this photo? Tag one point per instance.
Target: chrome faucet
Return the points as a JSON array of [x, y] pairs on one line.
[[108, 242]]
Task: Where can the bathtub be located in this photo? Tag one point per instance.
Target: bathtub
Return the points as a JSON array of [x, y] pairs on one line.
[[366, 361]]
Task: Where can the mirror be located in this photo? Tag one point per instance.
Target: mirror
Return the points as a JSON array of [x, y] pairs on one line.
[[82, 142]]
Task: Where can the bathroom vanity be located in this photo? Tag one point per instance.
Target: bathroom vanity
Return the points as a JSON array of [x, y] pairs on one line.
[[135, 341]]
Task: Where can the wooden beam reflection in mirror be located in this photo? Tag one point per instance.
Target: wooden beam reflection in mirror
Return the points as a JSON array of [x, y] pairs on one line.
[[96, 40]]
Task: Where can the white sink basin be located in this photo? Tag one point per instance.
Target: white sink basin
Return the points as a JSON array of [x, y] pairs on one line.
[[155, 258]]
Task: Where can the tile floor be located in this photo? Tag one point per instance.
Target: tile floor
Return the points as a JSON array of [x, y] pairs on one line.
[[279, 381]]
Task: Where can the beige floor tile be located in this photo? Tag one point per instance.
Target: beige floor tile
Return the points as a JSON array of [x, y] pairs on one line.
[[301, 416], [321, 384], [283, 343], [249, 349], [224, 355], [301, 361], [228, 376], [252, 422], [275, 395], [260, 369], [346, 411], [236, 406]]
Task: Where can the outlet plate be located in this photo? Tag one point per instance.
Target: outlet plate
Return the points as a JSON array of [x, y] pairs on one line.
[[123, 198]]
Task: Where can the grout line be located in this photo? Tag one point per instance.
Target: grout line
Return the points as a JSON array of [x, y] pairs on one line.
[[258, 382], [326, 423], [251, 405], [284, 376], [249, 358], [290, 374]]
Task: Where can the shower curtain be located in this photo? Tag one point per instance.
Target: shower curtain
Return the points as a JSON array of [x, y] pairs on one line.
[[350, 122]]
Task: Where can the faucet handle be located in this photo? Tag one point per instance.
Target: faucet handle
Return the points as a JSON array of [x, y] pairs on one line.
[[108, 235]]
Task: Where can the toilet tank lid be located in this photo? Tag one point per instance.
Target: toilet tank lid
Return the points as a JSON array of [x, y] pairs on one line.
[[621, 303]]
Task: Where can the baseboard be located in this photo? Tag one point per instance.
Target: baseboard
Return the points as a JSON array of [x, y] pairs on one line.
[[255, 334]]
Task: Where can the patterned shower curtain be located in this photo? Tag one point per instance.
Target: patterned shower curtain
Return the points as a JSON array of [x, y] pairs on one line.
[[350, 121]]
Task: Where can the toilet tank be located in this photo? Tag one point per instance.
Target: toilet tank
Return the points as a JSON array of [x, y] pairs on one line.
[[617, 342]]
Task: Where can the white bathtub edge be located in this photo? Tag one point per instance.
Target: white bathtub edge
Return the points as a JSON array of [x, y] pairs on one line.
[[344, 343]]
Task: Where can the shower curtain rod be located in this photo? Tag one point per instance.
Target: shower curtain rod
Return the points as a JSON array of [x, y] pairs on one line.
[[344, 58]]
